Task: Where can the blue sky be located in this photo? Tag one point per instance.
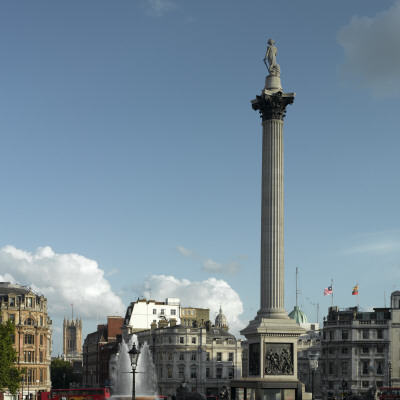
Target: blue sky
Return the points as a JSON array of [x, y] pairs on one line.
[[131, 158]]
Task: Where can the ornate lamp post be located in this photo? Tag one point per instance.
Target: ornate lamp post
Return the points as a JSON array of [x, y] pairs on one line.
[[134, 355]]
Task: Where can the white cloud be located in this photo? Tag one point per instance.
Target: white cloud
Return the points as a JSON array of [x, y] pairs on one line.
[[159, 7], [209, 265], [63, 279], [211, 293], [371, 47], [186, 252]]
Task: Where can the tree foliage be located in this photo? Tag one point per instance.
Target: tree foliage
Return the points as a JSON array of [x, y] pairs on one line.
[[61, 374], [10, 375]]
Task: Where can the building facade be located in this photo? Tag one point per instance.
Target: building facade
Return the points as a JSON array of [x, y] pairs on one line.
[[72, 339], [356, 349], [205, 358], [141, 314], [32, 339], [98, 348]]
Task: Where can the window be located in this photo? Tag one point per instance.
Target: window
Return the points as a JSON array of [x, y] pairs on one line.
[[29, 302], [379, 350], [182, 356], [41, 321], [40, 356], [365, 350], [193, 373], [207, 372], [181, 371], [365, 384], [169, 339], [181, 339], [154, 311], [11, 301], [11, 317], [345, 350], [194, 340], [379, 368], [345, 335], [29, 339], [379, 334], [219, 357], [365, 334], [193, 357], [170, 356], [365, 365], [13, 338], [208, 356], [29, 321], [331, 335], [331, 367], [173, 312], [162, 311], [29, 356], [192, 312], [230, 357], [344, 368], [219, 373], [169, 371], [331, 350], [230, 373]]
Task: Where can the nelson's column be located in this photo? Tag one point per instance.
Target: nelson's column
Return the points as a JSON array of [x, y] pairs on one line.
[[272, 335]]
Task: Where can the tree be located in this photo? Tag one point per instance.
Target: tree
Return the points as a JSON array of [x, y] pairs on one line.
[[10, 375], [61, 374]]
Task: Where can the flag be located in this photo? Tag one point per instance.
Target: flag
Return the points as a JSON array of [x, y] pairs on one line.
[[328, 291], [355, 290]]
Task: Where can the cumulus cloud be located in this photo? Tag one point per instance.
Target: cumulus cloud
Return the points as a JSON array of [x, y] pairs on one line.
[[371, 49], [63, 279], [210, 293], [209, 265]]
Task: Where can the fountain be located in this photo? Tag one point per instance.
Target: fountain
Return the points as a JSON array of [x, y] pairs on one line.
[[121, 373]]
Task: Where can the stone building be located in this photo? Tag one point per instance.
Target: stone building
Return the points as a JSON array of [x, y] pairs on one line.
[[206, 358], [32, 340], [98, 348], [192, 317], [72, 339], [356, 349]]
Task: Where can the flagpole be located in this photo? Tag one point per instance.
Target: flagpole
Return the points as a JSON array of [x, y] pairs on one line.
[[358, 303], [332, 292]]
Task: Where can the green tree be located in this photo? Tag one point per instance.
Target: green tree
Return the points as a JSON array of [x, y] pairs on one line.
[[10, 375], [61, 374]]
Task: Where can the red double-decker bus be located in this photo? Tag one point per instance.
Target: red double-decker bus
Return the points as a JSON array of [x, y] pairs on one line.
[[76, 394], [389, 393]]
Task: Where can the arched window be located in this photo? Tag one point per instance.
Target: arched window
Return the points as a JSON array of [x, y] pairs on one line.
[[29, 321]]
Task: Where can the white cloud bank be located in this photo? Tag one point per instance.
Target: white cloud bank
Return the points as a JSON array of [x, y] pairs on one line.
[[371, 47], [64, 279], [211, 293]]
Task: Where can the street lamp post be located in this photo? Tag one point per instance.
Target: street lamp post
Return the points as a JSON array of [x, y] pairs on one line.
[[390, 374], [313, 359], [133, 355], [344, 386]]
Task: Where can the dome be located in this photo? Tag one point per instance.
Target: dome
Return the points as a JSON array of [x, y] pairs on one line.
[[220, 320], [298, 316]]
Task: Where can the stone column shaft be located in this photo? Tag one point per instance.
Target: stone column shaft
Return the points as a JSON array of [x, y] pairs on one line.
[[272, 231]]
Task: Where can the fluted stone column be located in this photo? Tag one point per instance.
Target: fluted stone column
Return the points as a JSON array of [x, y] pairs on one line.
[[272, 108]]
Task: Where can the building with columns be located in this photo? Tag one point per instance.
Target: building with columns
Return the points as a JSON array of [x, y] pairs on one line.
[[32, 339]]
